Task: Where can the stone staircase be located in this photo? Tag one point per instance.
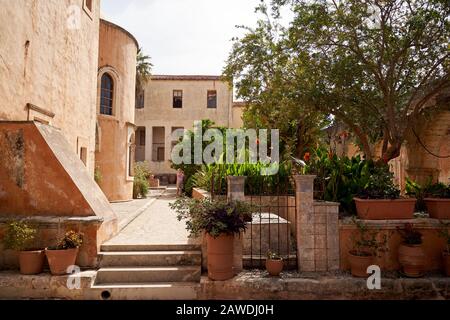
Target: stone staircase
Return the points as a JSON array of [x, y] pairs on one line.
[[149, 271]]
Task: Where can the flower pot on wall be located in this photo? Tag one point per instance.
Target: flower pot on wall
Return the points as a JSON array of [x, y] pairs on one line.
[[412, 259], [446, 258], [220, 257], [385, 209], [31, 262], [274, 266], [359, 264], [60, 260], [438, 208]]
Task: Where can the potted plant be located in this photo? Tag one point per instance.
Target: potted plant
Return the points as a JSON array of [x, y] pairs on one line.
[[411, 255], [64, 254], [20, 236], [437, 200], [274, 263], [365, 248], [379, 198], [220, 221], [445, 233]]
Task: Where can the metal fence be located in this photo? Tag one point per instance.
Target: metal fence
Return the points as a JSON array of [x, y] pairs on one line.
[[273, 224]]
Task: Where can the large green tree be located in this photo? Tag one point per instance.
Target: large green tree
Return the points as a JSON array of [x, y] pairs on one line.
[[257, 67], [374, 65]]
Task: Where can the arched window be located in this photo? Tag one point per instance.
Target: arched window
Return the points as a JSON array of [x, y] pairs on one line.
[[107, 95]]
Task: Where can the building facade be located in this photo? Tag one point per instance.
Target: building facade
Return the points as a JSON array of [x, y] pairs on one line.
[[52, 130], [175, 102], [115, 139]]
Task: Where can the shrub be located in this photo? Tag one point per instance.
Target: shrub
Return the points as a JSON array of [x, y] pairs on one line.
[[255, 183], [141, 185], [410, 235], [380, 185], [97, 175], [414, 189], [366, 242], [213, 217], [71, 240], [338, 179], [272, 255], [19, 236], [437, 190]]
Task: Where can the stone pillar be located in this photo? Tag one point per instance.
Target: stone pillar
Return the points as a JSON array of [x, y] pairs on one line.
[[235, 192], [304, 191], [317, 229]]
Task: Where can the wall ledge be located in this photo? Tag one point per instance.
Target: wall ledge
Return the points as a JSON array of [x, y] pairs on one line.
[[422, 223]]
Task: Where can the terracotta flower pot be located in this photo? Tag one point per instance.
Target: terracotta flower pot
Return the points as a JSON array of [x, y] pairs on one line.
[[446, 258], [274, 266], [359, 264], [412, 259], [220, 257], [385, 209], [60, 260], [31, 262], [438, 208]]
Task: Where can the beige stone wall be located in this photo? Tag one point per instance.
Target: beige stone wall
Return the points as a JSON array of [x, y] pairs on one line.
[[159, 111], [117, 57], [47, 64], [236, 116]]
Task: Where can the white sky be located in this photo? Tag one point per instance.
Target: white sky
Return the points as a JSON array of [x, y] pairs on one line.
[[183, 36]]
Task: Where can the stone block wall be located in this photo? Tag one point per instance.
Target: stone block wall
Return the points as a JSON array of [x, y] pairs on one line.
[[317, 229]]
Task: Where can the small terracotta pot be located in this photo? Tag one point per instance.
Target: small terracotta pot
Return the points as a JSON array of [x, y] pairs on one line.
[[385, 209], [359, 264], [274, 266], [438, 208], [446, 258], [412, 259], [60, 260], [220, 257], [31, 262]]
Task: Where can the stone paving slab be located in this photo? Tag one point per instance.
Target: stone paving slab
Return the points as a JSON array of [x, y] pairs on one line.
[[127, 211], [157, 224]]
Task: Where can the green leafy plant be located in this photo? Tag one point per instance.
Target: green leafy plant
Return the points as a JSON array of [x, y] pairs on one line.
[[366, 241], [272, 255], [410, 235], [19, 236], [413, 189], [437, 190], [445, 233], [338, 179], [215, 176], [141, 185], [213, 217], [380, 185], [71, 240]]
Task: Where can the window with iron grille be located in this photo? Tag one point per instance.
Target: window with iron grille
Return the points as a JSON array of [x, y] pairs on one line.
[[212, 99], [178, 99], [107, 95]]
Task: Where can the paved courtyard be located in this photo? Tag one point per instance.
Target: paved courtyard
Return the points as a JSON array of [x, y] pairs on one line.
[[127, 211], [156, 225]]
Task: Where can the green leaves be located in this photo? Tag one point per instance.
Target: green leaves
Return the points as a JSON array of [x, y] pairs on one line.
[[140, 183], [213, 217], [19, 236], [372, 64]]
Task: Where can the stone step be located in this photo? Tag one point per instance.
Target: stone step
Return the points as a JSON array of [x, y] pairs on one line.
[[148, 274], [149, 247], [146, 291], [150, 258]]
